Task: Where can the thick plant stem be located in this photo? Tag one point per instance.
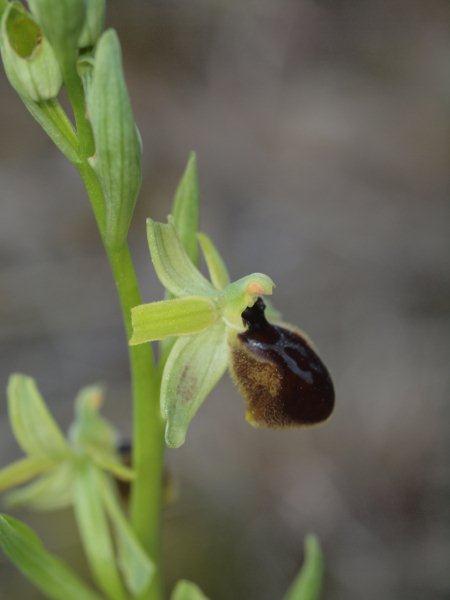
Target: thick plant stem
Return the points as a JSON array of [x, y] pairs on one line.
[[146, 496]]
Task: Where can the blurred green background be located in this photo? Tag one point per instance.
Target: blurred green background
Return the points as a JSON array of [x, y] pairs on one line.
[[322, 133]]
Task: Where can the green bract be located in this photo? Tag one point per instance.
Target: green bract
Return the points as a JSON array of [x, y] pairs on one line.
[[28, 58], [201, 316], [118, 150], [74, 472]]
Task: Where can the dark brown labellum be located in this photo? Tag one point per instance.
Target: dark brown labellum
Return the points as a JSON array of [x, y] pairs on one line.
[[283, 380]]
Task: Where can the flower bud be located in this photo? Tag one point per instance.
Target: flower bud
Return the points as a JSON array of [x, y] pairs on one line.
[[281, 377], [93, 24], [28, 58], [62, 22]]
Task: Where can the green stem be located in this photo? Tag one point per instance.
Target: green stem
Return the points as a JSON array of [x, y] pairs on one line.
[[146, 497], [148, 435]]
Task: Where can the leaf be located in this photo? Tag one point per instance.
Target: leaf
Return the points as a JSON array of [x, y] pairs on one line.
[[185, 211], [134, 563], [52, 491], [22, 470], [216, 266], [181, 316], [34, 428], [172, 264], [118, 151], [185, 590], [194, 366], [95, 533], [49, 574], [308, 584]]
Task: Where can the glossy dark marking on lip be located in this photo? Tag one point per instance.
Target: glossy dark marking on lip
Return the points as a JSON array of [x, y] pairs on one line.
[[283, 380]]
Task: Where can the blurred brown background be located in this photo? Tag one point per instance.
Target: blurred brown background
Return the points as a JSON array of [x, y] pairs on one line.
[[322, 133]]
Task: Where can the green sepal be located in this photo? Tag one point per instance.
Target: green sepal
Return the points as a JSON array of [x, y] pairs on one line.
[[29, 61], [23, 470], [173, 266], [215, 263], [49, 574], [194, 366], [240, 294], [51, 491], [308, 584], [118, 151], [34, 428], [94, 531], [180, 316], [185, 210], [93, 24], [135, 565], [85, 69], [62, 22]]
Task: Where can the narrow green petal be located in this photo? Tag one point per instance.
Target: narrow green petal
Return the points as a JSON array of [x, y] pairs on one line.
[[95, 533], [52, 491], [34, 428], [23, 470], [185, 211], [215, 263], [173, 266], [308, 584], [90, 429], [49, 574], [194, 367], [186, 590], [181, 316], [134, 563]]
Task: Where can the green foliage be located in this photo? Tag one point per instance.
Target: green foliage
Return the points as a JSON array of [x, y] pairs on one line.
[[308, 584], [53, 578], [118, 151]]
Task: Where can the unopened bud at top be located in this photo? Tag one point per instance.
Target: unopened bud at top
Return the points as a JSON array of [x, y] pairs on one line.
[[28, 58]]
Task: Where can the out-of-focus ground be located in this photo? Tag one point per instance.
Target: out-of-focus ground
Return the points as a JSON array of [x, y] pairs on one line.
[[322, 133]]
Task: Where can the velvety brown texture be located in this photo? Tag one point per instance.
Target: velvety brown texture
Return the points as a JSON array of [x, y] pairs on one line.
[[283, 380]]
